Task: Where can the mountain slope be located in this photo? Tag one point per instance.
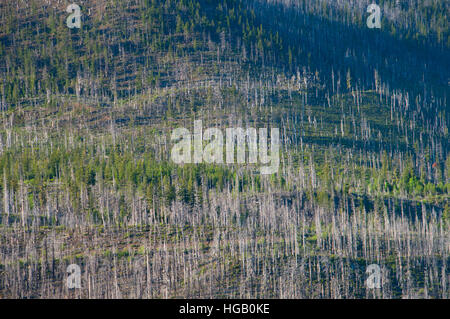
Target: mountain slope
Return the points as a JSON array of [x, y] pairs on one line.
[[87, 177]]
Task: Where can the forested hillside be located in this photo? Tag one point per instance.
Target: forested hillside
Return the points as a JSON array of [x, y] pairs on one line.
[[86, 175]]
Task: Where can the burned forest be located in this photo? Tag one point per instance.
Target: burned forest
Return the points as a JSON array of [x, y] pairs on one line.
[[87, 176]]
